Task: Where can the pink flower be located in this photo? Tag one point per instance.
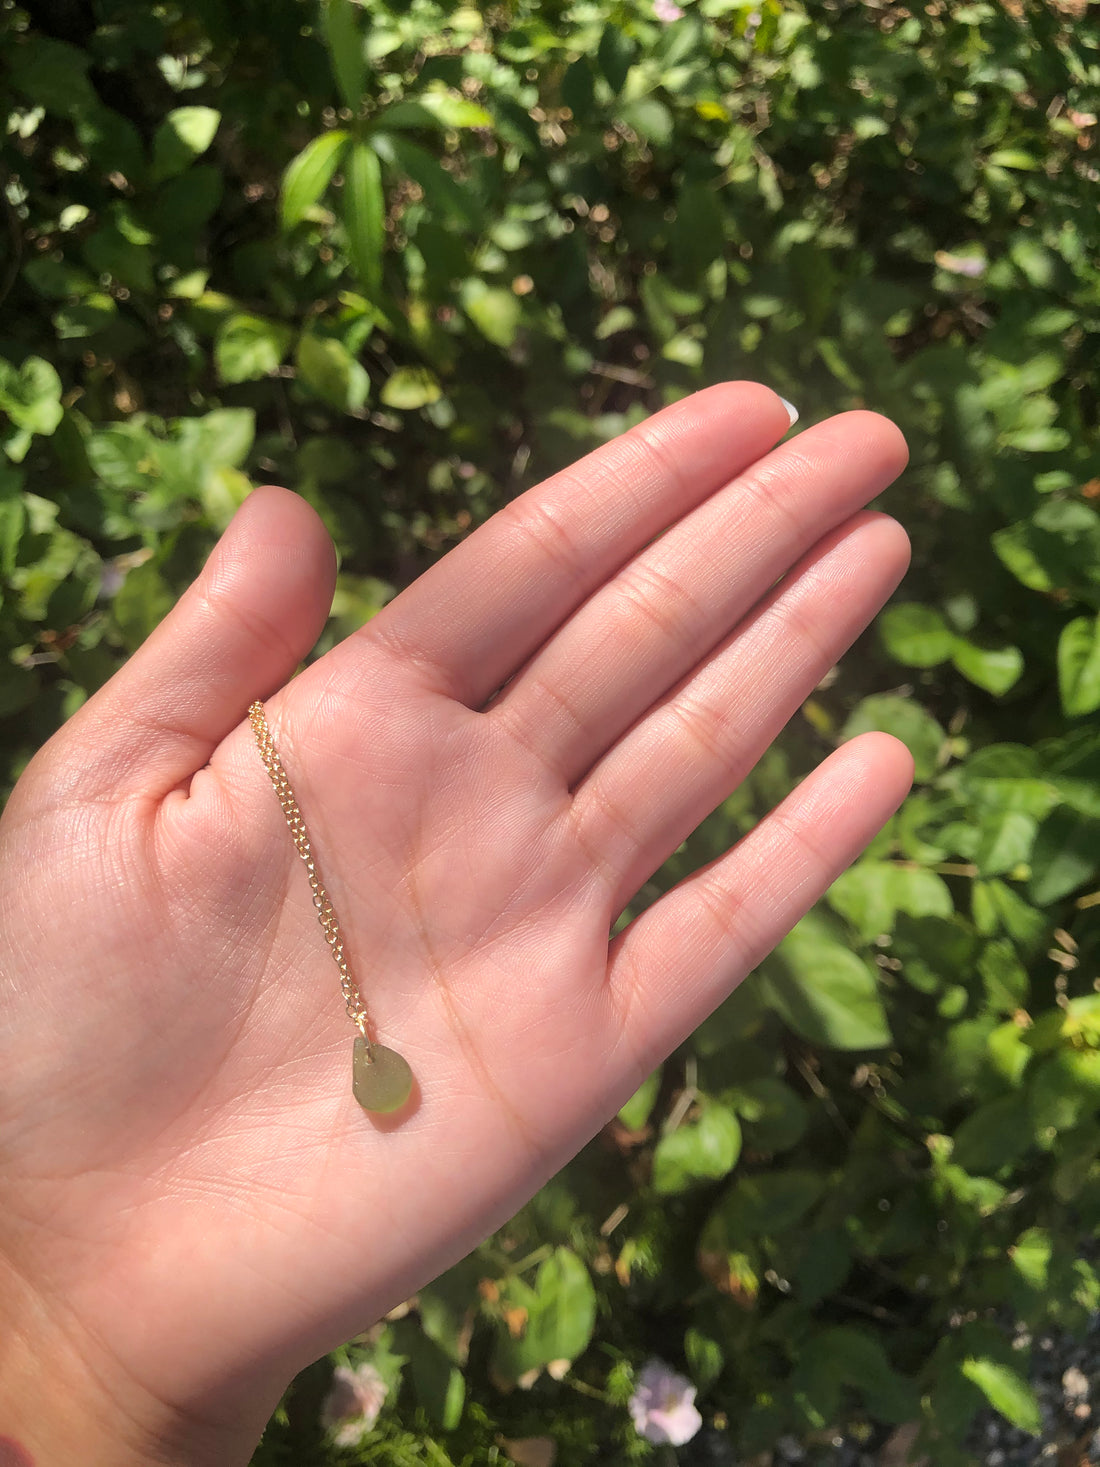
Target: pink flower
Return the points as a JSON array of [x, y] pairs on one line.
[[971, 265], [352, 1405], [666, 11], [663, 1405]]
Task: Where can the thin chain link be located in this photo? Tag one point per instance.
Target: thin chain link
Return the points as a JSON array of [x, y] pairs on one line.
[[357, 1010]]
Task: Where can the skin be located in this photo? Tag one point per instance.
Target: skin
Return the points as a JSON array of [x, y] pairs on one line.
[[192, 1206]]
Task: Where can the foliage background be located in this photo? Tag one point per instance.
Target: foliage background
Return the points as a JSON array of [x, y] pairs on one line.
[[408, 259]]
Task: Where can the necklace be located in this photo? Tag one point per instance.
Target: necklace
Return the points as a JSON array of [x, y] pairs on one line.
[[381, 1078]]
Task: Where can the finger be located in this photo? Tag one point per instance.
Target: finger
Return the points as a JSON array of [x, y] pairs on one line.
[[236, 634], [685, 757], [676, 962], [478, 614], [643, 631]]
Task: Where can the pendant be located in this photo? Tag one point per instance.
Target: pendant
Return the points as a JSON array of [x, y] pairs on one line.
[[381, 1078]]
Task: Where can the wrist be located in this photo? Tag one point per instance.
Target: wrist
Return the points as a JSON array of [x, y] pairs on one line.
[[64, 1402]]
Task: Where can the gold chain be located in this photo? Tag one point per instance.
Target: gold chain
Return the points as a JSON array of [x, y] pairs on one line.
[[357, 1010]]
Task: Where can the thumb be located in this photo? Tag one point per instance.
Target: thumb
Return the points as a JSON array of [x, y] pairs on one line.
[[236, 634]]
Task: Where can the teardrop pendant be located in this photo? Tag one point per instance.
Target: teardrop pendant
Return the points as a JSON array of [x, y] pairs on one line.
[[381, 1078]]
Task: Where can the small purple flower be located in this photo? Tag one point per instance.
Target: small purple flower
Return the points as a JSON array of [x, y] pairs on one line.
[[663, 1405], [352, 1405], [666, 11], [969, 265]]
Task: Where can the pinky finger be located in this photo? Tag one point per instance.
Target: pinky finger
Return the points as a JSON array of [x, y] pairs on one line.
[[676, 962]]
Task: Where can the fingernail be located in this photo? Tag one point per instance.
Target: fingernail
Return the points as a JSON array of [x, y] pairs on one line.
[[792, 411]]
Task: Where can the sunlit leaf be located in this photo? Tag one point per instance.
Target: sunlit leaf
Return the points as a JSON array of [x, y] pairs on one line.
[[249, 347], [701, 1150], [1079, 666], [310, 173], [182, 137], [824, 991], [364, 211], [1007, 1392], [327, 367], [916, 635]]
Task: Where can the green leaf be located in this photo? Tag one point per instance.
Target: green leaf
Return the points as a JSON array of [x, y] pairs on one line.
[[578, 88], [1079, 666], [704, 1357], [1004, 842], [933, 951], [636, 1111], [439, 1383], [857, 1359], [824, 992], [309, 174], [1031, 1255], [615, 56], [1008, 777], [345, 49], [998, 908], [650, 119], [1004, 976], [1014, 158], [411, 387], [768, 1203], [449, 199], [1007, 1052], [109, 252], [916, 635], [328, 369], [183, 205], [871, 893], [247, 348], [494, 310], [1065, 1089], [1038, 440], [365, 215], [701, 1150], [824, 1264], [1073, 769], [993, 1136], [907, 721], [124, 456], [618, 318], [995, 669], [222, 493], [31, 397], [435, 109], [1058, 549], [219, 439], [53, 75], [1064, 857], [184, 135], [561, 1314], [775, 1117], [1006, 1392], [13, 519]]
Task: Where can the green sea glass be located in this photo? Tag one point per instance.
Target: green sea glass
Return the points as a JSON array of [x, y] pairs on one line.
[[381, 1078]]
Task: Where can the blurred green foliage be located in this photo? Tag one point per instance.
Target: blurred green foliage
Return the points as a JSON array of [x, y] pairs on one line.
[[410, 258]]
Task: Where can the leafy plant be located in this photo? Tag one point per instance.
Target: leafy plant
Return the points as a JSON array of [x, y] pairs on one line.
[[410, 258]]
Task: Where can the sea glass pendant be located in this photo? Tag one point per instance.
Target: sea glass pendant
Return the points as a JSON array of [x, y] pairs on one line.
[[381, 1078]]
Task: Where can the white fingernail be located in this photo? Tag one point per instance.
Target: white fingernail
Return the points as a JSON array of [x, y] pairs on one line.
[[792, 411]]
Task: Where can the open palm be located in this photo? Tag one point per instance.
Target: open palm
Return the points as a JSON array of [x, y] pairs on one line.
[[489, 771]]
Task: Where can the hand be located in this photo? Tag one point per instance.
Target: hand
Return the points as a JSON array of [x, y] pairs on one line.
[[193, 1205]]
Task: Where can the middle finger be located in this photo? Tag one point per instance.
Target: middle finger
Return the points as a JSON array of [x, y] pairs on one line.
[[679, 597]]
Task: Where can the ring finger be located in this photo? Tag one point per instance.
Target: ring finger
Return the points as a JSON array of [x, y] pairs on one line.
[[681, 760]]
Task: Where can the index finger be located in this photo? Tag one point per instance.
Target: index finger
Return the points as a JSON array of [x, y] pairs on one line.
[[475, 617]]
